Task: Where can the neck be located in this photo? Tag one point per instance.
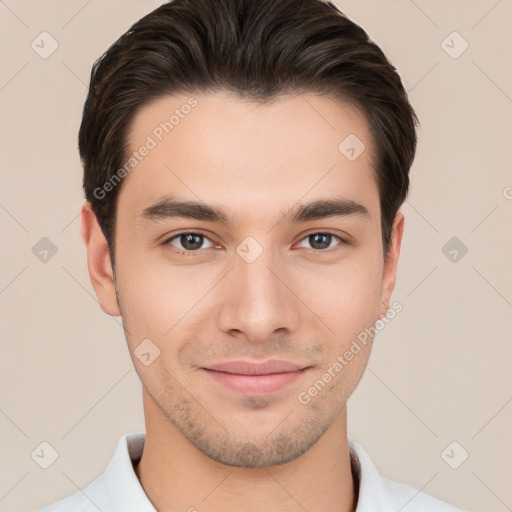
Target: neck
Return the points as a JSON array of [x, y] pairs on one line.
[[176, 476]]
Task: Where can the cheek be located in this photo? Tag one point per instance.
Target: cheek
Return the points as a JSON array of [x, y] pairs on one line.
[[347, 303], [345, 295], [158, 299]]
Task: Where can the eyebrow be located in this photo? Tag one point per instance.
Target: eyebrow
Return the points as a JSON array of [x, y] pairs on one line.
[[171, 207]]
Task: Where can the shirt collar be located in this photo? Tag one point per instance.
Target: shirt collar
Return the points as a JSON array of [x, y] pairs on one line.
[[127, 493], [121, 481], [372, 492]]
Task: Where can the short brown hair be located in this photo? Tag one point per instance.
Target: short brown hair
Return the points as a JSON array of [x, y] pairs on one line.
[[259, 49]]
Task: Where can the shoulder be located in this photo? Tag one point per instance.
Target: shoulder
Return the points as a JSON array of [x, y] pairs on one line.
[[90, 499], [73, 502], [378, 493], [411, 499], [117, 489]]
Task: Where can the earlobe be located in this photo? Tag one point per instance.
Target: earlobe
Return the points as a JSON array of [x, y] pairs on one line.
[[98, 261], [382, 309]]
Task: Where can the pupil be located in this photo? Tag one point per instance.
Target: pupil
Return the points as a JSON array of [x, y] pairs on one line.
[[317, 238], [189, 243]]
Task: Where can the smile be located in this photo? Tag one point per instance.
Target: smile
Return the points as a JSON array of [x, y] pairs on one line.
[[255, 378]]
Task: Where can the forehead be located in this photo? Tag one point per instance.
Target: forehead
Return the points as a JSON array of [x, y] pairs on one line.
[[295, 118], [249, 155]]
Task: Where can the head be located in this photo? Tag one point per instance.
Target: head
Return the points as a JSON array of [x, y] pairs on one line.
[[253, 111]]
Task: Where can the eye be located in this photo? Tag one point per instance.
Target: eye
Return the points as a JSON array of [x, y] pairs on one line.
[[321, 241], [189, 242]]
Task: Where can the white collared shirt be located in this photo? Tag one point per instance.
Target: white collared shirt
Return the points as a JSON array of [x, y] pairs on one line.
[[118, 489]]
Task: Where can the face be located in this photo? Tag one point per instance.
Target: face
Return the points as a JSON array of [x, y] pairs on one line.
[[251, 296]]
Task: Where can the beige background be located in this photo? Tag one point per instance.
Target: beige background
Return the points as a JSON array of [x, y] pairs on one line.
[[440, 372]]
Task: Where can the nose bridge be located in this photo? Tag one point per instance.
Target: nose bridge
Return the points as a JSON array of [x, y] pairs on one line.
[[256, 300]]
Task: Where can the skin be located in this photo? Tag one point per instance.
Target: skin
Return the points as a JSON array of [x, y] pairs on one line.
[[207, 446]]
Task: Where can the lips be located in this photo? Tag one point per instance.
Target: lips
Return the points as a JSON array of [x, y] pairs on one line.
[[255, 378], [263, 368]]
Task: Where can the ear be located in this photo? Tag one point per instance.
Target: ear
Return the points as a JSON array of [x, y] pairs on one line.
[[98, 261], [391, 263]]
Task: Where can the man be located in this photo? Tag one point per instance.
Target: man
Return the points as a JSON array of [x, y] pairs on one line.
[[244, 166]]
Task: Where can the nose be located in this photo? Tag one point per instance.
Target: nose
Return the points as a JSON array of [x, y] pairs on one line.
[[258, 300]]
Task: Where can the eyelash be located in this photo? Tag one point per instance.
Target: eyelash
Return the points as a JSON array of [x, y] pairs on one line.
[[167, 242]]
